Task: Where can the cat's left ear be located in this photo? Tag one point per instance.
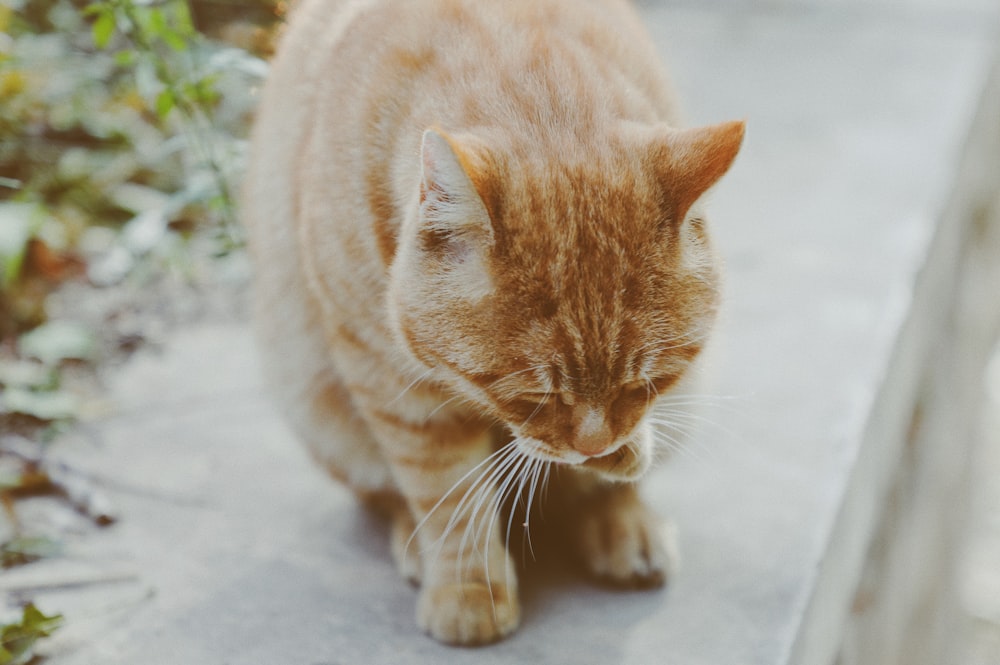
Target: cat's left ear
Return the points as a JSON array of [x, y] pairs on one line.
[[451, 208], [692, 160]]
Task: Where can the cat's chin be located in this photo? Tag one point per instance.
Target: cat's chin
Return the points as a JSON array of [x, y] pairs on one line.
[[624, 464]]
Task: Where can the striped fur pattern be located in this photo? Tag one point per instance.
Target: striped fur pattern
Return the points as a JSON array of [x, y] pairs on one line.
[[481, 254]]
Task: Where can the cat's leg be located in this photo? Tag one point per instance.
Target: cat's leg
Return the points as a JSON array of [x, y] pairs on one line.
[[616, 536], [296, 360], [402, 525], [469, 584], [319, 407]]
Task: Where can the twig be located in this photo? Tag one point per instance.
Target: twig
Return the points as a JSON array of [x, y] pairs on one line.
[[67, 583], [42, 477]]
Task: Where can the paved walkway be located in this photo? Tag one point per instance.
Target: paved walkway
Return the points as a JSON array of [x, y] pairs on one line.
[[232, 548]]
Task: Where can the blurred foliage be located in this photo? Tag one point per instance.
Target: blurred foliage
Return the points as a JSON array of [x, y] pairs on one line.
[[122, 133], [23, 550], [17, 640]]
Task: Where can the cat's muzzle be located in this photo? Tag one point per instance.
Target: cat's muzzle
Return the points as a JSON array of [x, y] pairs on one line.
[[627, 462]]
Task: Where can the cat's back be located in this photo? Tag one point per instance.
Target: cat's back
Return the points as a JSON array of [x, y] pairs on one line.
[[355, 83], [479, 62], [458, 63]]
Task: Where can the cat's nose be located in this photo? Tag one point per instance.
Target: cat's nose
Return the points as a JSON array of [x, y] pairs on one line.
[[593, 434], [592, 446]]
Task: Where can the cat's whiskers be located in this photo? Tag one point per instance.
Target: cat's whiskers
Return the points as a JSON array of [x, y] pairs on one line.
[[439, 407], [479, 491], [486, 496], [518, 498], [661, 341], [488, 500], [631, 446], [651, 384], [410, 386], [699, 399], [536, 482], [489, 462], [541, 403], [666, 346], [502, 483], [685, 442], [485, 391], [673, 445], [545, 482], [693, 406], [687, 335], [680, 425], [489, 524], [693, 420]]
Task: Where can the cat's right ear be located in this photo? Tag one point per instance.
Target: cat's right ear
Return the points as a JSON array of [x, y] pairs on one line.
[[452, 212], [692, 160]]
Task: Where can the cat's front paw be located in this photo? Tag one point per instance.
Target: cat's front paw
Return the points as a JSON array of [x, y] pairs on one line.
[[468, 614], [623, 543]]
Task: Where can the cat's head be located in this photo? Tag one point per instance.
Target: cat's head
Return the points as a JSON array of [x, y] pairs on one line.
[[563, 294]]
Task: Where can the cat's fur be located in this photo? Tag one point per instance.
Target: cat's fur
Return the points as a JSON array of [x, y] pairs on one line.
[[474, 228]]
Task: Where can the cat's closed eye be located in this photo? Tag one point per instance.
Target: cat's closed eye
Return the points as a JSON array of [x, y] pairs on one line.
[[648, 388], [535, 397], [565, 397], [642, 389], [536, 401]]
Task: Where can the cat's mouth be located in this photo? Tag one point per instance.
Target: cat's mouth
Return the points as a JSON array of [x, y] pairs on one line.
[[625, 463]]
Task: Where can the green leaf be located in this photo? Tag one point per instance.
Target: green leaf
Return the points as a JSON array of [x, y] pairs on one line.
[[206, 92], [22, 550], [174, 40], [156, 23], [95, 8], [58, 340], [103, 28], [182, 19], [18, 223], [125, 58], [17, 640], [43, 625], [164, 102]]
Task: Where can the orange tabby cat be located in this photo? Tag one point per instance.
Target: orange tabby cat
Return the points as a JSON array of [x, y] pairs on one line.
[[479, 254]]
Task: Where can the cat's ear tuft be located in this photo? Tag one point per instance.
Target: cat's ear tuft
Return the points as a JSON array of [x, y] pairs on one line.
[[692, 160], [451, 208]]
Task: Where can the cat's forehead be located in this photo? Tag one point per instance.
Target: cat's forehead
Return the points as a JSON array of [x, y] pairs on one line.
[[575, 220], [595, 240], [586, 351], [580, 191]]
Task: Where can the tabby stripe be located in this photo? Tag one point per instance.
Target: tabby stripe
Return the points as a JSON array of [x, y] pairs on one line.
[[450, 432], [429, 463]]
